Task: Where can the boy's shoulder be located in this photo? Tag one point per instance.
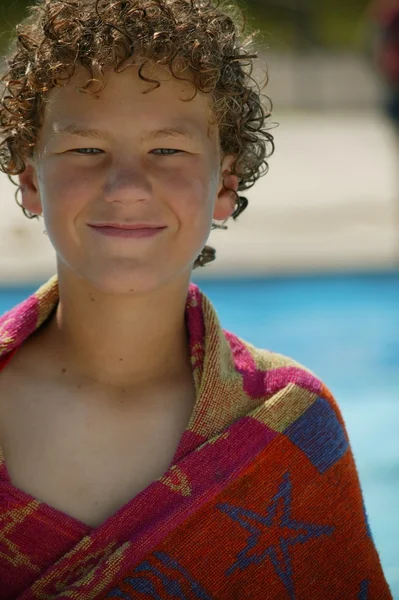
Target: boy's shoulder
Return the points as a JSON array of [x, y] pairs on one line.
[[251, 358], [258, 382], [23, 319], [282, 393]]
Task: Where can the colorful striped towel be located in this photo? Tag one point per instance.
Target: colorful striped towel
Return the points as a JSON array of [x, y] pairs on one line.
[[261, 502]]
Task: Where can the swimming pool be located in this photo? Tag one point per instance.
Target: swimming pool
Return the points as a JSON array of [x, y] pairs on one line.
[[345, 328]]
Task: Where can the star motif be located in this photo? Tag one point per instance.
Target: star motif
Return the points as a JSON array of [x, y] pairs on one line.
[[291, 532]]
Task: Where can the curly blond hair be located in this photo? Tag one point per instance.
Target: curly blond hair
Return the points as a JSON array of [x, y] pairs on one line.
[[200, 35]]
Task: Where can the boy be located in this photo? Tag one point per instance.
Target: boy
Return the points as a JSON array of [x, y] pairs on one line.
[[147, 453]]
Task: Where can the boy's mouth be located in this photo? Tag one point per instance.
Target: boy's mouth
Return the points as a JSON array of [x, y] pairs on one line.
[[128, 225], [136, 230]]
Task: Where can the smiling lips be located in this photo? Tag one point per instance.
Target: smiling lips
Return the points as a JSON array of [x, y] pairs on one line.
[[136, 230]]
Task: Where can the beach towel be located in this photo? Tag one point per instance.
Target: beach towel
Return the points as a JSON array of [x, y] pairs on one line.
[[261, 501]]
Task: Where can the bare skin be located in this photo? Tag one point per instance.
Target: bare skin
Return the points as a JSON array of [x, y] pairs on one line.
[[102, 393], [85, 449]]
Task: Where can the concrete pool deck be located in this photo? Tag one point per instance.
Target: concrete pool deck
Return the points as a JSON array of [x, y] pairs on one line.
[[329, 202]]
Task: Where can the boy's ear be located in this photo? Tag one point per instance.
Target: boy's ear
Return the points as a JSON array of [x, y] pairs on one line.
[[227, 193], [30, 190]]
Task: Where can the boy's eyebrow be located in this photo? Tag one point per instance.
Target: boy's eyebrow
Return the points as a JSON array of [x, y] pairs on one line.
[[103, 135]]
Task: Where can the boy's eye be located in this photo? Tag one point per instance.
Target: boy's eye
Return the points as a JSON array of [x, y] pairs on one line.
[[86, 150], [166, 151], [159, 151]]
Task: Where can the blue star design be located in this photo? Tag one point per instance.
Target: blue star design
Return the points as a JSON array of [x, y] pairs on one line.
[[279, 551]]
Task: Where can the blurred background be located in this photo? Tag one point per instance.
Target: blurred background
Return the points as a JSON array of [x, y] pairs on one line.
[[311, 268]]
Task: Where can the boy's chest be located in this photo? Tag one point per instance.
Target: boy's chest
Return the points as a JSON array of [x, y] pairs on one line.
[[84, 461]]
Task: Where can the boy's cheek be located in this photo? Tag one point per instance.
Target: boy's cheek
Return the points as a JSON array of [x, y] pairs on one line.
[[63, 190], [190, 202], [188, 193]]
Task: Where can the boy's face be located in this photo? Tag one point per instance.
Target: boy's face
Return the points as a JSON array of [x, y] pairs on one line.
[[138, 168]]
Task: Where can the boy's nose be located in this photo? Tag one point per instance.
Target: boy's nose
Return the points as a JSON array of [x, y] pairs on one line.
[[128, 183]]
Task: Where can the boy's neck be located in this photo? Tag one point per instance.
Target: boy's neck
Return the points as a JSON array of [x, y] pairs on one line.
[[119, 342]]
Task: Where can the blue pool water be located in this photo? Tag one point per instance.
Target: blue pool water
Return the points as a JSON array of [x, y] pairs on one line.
[[345, 328]]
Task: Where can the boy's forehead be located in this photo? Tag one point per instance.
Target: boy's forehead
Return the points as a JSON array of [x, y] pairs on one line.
[[171, 106], [128, 90]]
